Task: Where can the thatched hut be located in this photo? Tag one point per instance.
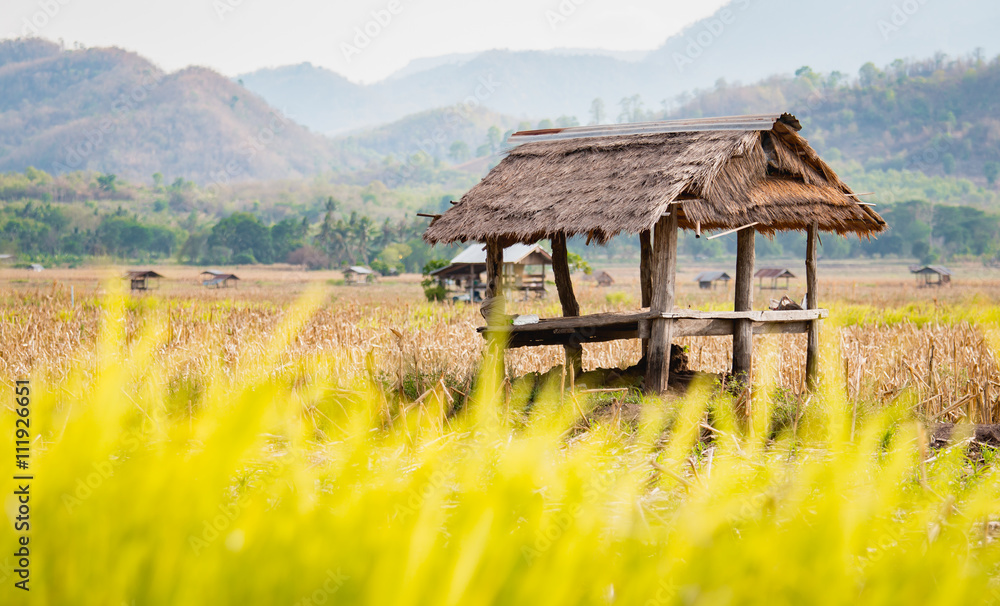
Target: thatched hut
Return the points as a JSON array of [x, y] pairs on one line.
[[143, 280], [932, 275], [211, 278], [358, 274], [746, 174], [707, 280], [518, 260], [604, 279], [774, 274]]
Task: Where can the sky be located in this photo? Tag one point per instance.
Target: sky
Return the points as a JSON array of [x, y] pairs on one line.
[[363, 40]]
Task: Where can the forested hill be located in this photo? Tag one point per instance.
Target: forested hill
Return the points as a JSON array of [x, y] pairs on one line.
[[938, 117], [112, 111]]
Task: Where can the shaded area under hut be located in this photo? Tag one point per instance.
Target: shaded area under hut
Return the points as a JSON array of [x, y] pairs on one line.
[[745, 173]]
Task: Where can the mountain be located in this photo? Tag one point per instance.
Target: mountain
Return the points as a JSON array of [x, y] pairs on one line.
[[917, 129], [934, 117], [112, 111], [521, 84], [745, 41]]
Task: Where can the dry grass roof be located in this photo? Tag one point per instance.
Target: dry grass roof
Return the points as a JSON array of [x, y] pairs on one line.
[[721, 174]]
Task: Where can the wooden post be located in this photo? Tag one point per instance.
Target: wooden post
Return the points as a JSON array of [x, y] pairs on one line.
[[812, 302], [645, 275], [493, 302], [663, 278], [570, 307], [743, 329], [494, 306]]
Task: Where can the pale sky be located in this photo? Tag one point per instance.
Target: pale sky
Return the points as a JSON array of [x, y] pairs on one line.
[[236, 36]]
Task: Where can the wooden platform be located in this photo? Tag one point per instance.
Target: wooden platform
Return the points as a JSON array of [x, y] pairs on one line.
[[596, 328]]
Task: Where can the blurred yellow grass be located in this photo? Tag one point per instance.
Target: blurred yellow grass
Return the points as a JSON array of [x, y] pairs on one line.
[[279, 472]]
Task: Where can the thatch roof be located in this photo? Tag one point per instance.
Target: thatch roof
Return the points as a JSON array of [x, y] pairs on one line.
[[473, 259], [773, 272], [139, 274], [601, 181], [219, 274], [712, 276], [931, 269]]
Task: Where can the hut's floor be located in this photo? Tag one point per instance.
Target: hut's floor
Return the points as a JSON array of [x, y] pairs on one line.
[[632, 377]]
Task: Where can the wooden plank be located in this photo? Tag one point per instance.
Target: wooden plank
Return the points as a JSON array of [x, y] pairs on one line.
[[682, 327], [567, 298], [794, 315], [812, 302], [680, 316], [664, 273], [698, 327], [743, 330], [592, 320], [780, 328]]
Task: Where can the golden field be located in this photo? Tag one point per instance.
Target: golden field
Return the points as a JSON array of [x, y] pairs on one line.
[[298, 442], [893, 337]]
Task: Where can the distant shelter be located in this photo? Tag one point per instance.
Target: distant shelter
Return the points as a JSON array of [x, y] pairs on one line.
[[523, 268], [358, 274], [142, 280], [707, 280], [774, 274], [218, 279], [932, 275]]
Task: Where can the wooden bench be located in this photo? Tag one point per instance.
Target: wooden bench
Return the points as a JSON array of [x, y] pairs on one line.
[[597, 328]]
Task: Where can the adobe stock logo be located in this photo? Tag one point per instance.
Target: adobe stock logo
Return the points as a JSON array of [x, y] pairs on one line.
[[47, 11], [901, 14], [371, 29]]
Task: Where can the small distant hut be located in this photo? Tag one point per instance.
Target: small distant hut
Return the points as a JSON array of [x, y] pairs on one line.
[[36, 267], [745, 174], [932, 275], [774, 274], [357, 274], [604, 279], [142, 280], [523, 268], [211, 278], [707, 280]]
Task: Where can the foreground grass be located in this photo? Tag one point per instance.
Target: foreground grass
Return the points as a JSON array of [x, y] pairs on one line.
[[277, 483]]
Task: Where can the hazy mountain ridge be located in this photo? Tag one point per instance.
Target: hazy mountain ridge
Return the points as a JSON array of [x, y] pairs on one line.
[[109, 110], [745, 41]]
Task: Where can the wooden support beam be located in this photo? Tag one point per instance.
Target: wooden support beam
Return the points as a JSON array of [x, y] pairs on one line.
[[812, 302], [567, 299], [743, 330], [494, 279], [645, 275], [494, 306], [663, 279]]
